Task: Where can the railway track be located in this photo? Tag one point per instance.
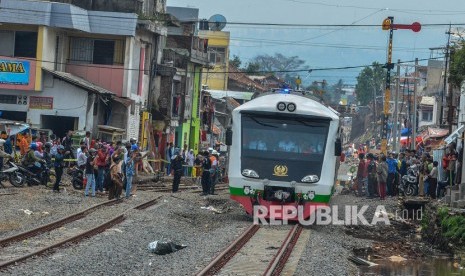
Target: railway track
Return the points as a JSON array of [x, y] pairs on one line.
[[46, 238], [258, 250], [183, 187]]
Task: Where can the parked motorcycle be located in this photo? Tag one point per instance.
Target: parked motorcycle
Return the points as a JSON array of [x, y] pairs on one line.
[[409, 183], [11, 172], [78, 180], [44, 177], [442, 185]]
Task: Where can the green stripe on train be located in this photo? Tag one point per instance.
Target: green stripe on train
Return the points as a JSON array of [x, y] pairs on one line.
[[235, 191]]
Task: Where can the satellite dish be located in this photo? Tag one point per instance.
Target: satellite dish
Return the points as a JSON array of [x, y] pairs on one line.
[[217, 22]]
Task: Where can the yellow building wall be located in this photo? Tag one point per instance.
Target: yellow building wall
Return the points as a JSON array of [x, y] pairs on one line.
[[216, 78]]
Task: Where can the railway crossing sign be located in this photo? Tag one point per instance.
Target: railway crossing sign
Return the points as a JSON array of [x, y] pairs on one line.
[[388, 25]]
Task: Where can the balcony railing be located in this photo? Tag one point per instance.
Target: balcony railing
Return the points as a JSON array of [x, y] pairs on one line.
[[109, 77]]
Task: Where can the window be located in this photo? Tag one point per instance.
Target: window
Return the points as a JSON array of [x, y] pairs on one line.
[[25, 44], [104, 51], [298, 143], [176, 99], [95, 51], [147, 62], [217, 55], [7, 43], [427, 116], [8, 99]]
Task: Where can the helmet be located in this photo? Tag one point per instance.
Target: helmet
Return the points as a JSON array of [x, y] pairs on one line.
[[48, 145], [33, 146], [2, 142], [132, 140]]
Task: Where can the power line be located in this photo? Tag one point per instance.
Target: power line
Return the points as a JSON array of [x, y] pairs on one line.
[[417, 11], [230, 23], [227, 72]]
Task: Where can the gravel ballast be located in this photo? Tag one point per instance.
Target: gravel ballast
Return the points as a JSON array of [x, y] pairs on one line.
[[122, 250]]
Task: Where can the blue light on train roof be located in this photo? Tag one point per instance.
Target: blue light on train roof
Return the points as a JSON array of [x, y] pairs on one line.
[[285, 91]]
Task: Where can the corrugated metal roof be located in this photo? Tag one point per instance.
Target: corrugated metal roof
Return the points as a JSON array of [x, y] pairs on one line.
[[60, 15], [219, 94]]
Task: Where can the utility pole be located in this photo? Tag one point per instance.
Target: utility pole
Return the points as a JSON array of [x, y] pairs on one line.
[[414, 126], [388, 24], [446, 70], [396, 114]]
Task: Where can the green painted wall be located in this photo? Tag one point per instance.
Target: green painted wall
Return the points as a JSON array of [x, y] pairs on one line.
[[195, 122]]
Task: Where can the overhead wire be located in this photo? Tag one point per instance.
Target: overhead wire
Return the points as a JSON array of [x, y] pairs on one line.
[[227, 72], [230, 23]]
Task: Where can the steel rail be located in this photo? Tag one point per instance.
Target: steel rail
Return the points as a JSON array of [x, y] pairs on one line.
[[54, 225], [89, 233], [279, 261], [81, 236], [223, 258]]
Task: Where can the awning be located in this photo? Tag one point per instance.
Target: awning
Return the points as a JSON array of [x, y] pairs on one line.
[[456, 134], [124, 101], [238, 95], [434, 133], [110, 129], [12, 127]]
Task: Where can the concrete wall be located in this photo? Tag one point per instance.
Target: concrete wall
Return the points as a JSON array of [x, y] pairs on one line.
[[434, 77]]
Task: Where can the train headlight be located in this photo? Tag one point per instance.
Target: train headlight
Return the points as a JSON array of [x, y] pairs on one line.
[[310, 179], [250, 173], [291, 107], [281, 106]]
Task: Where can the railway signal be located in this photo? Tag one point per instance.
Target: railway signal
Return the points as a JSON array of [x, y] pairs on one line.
[[388, 25]]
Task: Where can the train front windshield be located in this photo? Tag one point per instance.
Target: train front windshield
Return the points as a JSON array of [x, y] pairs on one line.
[[270, 142]]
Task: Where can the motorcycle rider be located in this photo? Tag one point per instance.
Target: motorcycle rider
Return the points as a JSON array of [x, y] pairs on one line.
[[47, 156], [3, 154], [31, 161]]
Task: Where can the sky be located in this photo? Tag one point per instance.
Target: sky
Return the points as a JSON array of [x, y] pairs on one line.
[[329, 46]]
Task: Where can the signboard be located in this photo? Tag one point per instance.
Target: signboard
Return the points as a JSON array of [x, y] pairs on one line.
[[14, 72], [40, 102]]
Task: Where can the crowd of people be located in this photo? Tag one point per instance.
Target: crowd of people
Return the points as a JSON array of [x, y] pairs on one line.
[[381, 175], [206, 167], [109, 167]]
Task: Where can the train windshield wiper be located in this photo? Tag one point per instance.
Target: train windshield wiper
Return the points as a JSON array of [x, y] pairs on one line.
[[263, 124]]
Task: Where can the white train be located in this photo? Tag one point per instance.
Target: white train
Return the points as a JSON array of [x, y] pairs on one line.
[[284, 150]]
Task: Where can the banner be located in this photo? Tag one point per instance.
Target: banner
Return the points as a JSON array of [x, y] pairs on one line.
[[40, 102], [14, 72]]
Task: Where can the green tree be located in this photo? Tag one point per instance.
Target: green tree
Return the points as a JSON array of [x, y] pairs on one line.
[[252, 69], [457, 67], [370, 82], [236, 62], [279, 64]]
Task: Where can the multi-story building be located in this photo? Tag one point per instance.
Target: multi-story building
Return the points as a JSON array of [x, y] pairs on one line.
[[184, 56], [75, 68], [215, 76]]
